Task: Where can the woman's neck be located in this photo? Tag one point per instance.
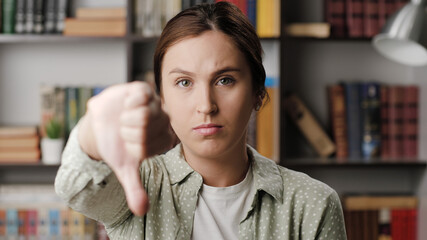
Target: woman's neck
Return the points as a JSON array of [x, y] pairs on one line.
[[225, 170]]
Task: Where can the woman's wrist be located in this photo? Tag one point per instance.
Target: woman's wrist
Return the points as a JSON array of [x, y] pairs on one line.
[[87, 139]]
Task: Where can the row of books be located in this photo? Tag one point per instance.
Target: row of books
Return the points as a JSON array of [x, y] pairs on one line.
[[32, 16], [101, 22], [19, 144], [371, 120], [359, 18], [381, 217], [66, 104], [152, 15], [36, 212]]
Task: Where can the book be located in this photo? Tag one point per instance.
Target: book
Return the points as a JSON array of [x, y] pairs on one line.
[[95, 27], [19, 142], [251, 8], [71, 109], [29, 16], [28, 156], [395, 116], [61, 14], [410, 122], [38, 16], [385, 136], [8, 14], [50, 16], [370, 119], [17, 131], [353, 115], [101, 13], [309, 126], [337, 113], [316, 30], [2, 223], [20, 16], [12, 222], [370, 19], [266, 122], [84, 94], [354, 17], [335, 14], [378, 202]]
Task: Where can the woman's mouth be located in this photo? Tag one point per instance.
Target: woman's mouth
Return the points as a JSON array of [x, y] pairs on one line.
[[208, 129]]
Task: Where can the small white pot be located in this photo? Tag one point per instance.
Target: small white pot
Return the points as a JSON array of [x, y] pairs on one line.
[[51, 150]]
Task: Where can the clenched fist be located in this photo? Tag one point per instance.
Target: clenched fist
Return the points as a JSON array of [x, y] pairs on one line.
[[124, 125]]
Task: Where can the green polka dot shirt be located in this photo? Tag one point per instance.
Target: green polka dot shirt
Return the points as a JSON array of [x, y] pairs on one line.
[[286, 205]]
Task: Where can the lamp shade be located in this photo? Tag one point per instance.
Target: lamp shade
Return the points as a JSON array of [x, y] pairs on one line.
[[403, 37]]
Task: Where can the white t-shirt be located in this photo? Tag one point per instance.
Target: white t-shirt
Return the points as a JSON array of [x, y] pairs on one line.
[[220, 210]]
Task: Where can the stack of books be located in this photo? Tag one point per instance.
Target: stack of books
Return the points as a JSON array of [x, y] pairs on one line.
[[19, 145], [381, 217], [100, 22]]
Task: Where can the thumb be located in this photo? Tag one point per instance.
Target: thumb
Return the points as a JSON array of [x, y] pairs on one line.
[[136, 196]]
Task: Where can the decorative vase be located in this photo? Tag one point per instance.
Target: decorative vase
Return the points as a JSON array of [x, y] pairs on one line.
[[51, 150]]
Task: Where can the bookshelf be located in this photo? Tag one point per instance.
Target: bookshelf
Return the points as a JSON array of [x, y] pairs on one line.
[[306, 66], [309, 65]]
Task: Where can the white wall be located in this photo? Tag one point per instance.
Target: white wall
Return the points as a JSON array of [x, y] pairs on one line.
[[24, 66]]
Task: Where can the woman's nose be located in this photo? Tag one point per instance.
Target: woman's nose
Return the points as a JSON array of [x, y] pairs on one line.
[[206, 103]]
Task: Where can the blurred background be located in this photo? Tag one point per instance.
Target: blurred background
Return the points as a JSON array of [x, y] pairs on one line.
[[340, 110]]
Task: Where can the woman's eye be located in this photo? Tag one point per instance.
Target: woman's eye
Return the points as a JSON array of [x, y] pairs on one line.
[[184, 83], [225, 81]]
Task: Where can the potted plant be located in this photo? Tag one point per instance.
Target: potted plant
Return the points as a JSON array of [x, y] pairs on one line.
[[52, 145]]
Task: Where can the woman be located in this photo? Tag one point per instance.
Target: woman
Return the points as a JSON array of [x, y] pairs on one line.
[[209, 75]]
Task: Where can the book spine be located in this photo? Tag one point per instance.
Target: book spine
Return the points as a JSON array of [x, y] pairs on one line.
[[252, 12], [21, 223], [338, 121], [265, 123], [381, 13], [50, 16], [2, 223], [71, 116], [65, 222], [31, 223], [391, 8], [54, 222], [410, 122], [29, 16], [385, 135], [38, 16], [370, 121], [370, 19], [354, 136], [43, 223], [84, 93], [355, 18], [1, 16], [396, 121], [309, 126], [9, 10], [20, 16], [61, 14], [336, 16], [12, 222]]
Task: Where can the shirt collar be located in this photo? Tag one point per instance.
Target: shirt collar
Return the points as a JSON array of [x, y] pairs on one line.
[[266, 173]]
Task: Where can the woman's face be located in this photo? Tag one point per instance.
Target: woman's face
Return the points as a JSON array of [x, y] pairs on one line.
[[207, 92]]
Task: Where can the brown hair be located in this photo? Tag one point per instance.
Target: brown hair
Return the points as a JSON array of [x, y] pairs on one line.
[[221, 16]]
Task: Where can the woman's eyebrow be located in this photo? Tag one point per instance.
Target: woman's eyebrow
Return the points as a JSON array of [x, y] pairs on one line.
[[218, 72]]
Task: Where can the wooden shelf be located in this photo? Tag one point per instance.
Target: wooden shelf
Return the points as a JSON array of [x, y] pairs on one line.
[[27, 173], [20, 38], [330, 39], [303, 163]]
